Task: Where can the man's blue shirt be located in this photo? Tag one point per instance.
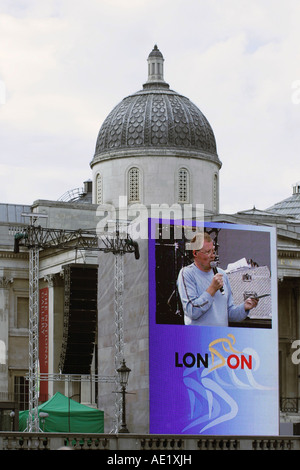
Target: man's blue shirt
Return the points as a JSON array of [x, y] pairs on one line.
[[200, 308]]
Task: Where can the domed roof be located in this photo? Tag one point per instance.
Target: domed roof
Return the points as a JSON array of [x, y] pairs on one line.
[[155, 52], [289, 207], [155, 120]]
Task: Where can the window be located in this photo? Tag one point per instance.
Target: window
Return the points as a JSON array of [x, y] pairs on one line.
[[183, 185], [22, 392], [99, 189], [134, 185], [22, 312]]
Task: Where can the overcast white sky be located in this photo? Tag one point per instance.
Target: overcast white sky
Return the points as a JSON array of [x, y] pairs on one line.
[[64, 64]]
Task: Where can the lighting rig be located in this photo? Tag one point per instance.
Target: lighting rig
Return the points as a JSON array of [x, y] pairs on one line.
[[37, 238]]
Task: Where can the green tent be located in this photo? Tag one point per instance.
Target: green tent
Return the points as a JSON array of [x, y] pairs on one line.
[[66, 415]]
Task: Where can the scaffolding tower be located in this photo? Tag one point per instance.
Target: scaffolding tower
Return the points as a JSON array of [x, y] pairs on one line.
[[33, 419], [119, 338], [35, 238]]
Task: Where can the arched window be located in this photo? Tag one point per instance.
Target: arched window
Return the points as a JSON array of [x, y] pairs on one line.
[[134, 185], [99, 189], [183, 186]]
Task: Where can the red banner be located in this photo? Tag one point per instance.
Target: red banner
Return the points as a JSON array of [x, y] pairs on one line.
[[44, 340]]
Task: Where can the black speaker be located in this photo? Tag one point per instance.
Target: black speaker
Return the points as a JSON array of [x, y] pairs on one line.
[[80, 318]]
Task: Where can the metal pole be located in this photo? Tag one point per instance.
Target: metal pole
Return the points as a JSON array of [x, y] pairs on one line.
[[123, 427]]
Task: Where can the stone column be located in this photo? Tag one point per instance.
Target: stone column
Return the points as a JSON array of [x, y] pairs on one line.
[[4, 328], [55, 325]]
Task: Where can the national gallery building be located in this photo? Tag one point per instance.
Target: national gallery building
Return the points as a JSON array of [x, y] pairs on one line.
[[93, 302]]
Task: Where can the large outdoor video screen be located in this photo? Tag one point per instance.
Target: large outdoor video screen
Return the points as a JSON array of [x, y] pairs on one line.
[[213, 355]]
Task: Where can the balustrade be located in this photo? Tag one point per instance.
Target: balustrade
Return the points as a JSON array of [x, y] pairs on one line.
[[115, 442]]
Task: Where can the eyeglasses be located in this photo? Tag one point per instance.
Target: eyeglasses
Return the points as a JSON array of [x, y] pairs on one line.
[[209, 252]]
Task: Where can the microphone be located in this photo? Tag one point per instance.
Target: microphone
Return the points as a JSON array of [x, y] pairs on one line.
[[213, 265]]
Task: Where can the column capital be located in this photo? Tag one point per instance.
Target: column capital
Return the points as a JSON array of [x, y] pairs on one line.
[[52, 279], [5, 281]]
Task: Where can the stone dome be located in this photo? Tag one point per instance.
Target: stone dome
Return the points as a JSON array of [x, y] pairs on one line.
[[156, 120]]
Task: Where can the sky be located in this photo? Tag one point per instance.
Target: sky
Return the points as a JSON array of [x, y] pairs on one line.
[[64, 65]]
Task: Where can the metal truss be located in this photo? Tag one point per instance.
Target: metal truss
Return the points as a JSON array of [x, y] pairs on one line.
[[119, 330], [33, 418], [36, 238], [45, 377], [67, 279]]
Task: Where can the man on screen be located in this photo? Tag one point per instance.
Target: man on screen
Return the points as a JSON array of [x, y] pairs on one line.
[[199, 289]]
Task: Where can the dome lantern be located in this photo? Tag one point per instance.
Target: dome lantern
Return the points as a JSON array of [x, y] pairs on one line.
[[155, 69]]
